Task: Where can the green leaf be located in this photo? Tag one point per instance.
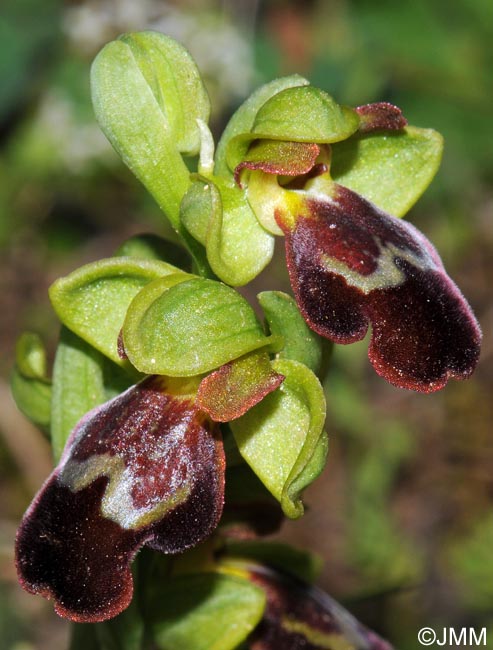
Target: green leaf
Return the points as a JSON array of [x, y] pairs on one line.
[[31, 389], [147, 94], [77, 386], [219, 215], [300, 342], [93, 300], [152, 247], [282, 437], [242, 122], [391, 170], [302, 564], [206, 612], [189, 328]]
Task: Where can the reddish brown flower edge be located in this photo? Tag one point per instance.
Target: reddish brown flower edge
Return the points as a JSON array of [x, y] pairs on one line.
[[146, 468]]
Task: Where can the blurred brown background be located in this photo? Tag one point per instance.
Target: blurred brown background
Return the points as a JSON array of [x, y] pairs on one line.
[[403, 515]]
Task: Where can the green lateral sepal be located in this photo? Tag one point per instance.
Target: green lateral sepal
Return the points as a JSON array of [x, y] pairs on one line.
[[391, 169], [282, 437]]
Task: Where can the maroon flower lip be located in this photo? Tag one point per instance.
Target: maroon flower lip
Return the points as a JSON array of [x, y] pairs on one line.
[[146, 468], [352, 265]]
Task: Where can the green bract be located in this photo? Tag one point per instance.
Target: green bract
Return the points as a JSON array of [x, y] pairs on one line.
[[282, 437], [389, 169], [219, 216], [93, 300], [30, 385], [147, 95], [189, 328]]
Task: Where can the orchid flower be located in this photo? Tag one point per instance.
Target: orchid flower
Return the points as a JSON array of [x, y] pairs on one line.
[[156, 363], [352, 265]]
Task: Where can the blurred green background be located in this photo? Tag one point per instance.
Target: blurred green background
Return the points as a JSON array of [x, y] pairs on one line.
[[403, 515]]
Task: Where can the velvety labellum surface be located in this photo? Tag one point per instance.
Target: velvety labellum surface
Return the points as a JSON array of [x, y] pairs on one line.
[[351, 264], [145, 468]]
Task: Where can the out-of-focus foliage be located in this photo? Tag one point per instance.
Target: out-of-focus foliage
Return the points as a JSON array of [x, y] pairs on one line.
[[432, 59], [28, 32], [403, 514]]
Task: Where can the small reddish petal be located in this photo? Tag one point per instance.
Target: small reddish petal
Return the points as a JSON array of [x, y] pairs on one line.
[[299, 615], [279, 157], [232, 390], [145, 468], [351, 264], [380, 116]]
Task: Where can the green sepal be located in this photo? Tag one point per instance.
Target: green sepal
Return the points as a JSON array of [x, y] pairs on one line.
[[206, 611], [92, 301], [147, 95], [30, 386], [152, 247], [299, 114], [304, 114], [189, 328], [300, 563], [243, 120], [300, 342], [78, 386], [219, 216], [390, 169], [282, 437]]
